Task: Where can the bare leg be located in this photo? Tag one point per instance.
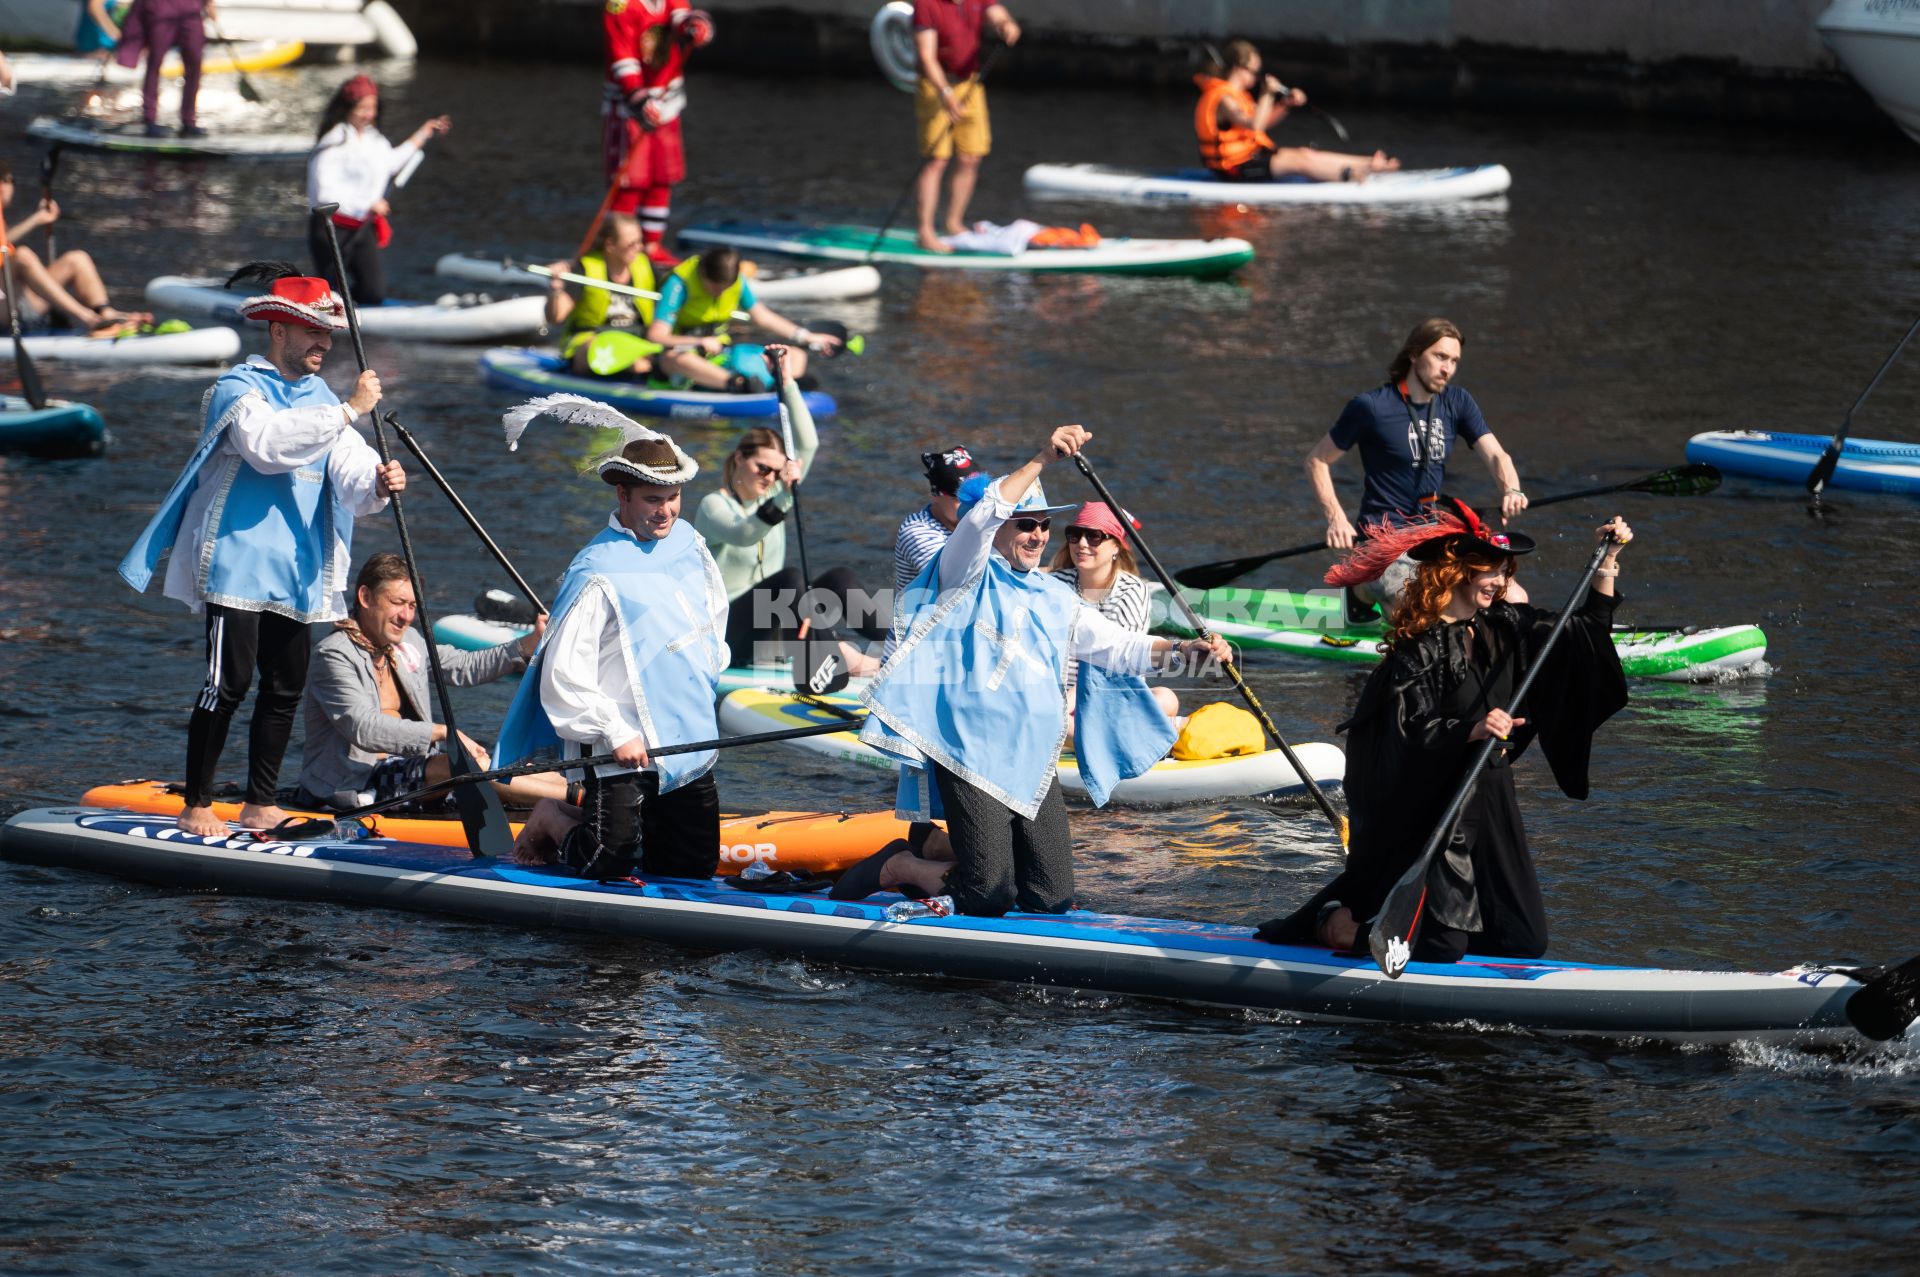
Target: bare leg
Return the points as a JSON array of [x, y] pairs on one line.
[[928, 875], [966, 173], [1340, 929], [76, 272], [1168, 702], [1328, 166], [927, 192], [201, 822], [260, 815], [696, 368], [938, 846], [35, 279], [549, 823], [527, 791]]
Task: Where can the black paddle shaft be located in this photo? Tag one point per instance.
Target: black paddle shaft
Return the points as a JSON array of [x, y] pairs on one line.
[[30, 388], [1823, 468], [600, 760], [1391, 940], [493, 547], [1200, 627], [485, 820]]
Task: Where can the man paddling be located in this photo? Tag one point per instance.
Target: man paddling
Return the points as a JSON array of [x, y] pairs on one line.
[[631, 661], [950, 104], [972, 701], [694, 320], [260, 530], [1403, 428]]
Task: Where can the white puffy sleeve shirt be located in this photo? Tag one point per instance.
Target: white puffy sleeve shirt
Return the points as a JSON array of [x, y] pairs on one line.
[[350, 167]]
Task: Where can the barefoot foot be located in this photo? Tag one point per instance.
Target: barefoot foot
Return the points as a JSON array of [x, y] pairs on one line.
[[255, 816], [201, 822], [932, 243]]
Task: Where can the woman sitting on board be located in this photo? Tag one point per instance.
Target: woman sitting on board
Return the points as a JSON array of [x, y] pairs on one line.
[[1458, 650], [351, 166], [1232, 128], [68, 288], [1097, 562], [744, 524], [600, 330]]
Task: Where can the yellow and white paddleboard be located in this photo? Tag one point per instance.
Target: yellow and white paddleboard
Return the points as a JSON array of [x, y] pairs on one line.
[[1266, 775]]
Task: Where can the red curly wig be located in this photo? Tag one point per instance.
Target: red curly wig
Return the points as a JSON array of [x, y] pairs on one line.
[[1426, 595]]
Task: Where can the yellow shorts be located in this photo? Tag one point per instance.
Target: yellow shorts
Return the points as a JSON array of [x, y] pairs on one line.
[[973, 135]]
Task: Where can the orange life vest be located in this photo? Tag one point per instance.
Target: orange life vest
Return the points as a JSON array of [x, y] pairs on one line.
[[1225, 149]]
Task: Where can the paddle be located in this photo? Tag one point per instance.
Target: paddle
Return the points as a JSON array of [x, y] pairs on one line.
[[1200, 627], [49, 164], [853, 343], [247, 91], [1677, 481], [1888, 1002], [1823, 468], [1391, 941], [481, 814], [978, 82], [472, 779], [499, 555], [30, 387], [817, 666]]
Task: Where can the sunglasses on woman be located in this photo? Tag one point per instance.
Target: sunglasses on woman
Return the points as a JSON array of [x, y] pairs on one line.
[[764, 471], [1092, 536], [1031, 525]]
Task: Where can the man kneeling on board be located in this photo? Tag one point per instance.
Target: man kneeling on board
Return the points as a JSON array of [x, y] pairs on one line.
[[370, 730], [600, 330], [631, 661], [973, 701]]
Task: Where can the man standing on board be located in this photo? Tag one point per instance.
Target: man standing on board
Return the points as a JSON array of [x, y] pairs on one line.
[[260, 530], [647, 46], [1402, 428], [950, 104]]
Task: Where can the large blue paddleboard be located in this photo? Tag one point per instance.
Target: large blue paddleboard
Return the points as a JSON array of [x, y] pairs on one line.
[[541, 372], [60, 429], [1866, 465], [1190, 961]]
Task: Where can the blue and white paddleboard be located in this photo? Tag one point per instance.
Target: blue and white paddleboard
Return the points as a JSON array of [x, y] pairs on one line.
[[1866, 465]]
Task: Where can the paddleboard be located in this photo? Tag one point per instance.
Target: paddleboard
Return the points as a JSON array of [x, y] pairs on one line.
[[1189, 961], [132, 139], [846, 243], [61, 429], [1866, 465], [454, 320], [802, 842], [768, 285], [1198, 186], [1314, 625], [196, 346], [1266, 776], [75, 68], [542, 372]]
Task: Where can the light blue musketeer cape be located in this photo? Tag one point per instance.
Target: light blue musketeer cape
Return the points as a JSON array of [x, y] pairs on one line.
[[978, 685], [674, 657], [278, 543]]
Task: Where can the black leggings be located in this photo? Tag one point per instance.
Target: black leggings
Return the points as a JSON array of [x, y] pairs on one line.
[[777, 600], [237, 644], [628, 822], [361, 251]]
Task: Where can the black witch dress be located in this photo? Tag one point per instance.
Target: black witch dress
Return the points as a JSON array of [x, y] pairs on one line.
[[1409, 749]]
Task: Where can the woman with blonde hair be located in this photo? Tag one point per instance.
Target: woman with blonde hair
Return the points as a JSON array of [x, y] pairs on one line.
[[1456, 650]]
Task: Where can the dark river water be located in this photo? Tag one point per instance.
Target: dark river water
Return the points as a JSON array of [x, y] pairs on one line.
[[228, 1085]]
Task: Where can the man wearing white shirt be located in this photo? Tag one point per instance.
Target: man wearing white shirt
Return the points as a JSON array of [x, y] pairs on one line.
[[631, 661], [259, 528]]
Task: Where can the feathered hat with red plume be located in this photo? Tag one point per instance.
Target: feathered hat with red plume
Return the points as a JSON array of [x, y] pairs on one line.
[[1451, 523]]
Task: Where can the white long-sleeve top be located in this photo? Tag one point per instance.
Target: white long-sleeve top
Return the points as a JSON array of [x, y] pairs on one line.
[[277, 441], [350, 167], [1095, 638], [587, 676]]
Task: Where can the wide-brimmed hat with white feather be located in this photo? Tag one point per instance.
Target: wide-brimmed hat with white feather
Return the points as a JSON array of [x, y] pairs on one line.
[[644, 456]]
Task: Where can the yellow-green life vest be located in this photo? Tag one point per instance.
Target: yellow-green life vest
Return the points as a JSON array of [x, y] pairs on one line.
[[703, 314], [590, 312]]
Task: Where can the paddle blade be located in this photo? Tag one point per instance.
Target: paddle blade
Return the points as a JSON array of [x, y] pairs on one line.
[[1823, 469], [30, 388], [1209, 576], [1391, 940], [850, 343], [1887, 1004], [501, 606], [1693, 480], [819, 667]]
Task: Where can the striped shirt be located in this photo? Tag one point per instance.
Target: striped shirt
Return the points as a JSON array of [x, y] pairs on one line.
[[919, 539], [1126, 605]]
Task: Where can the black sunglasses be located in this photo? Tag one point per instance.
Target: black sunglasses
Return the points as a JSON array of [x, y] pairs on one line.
[[1031, 525], [1092, 536]]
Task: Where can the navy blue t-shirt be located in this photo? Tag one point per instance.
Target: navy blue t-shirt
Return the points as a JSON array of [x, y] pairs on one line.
[[1403, 447]]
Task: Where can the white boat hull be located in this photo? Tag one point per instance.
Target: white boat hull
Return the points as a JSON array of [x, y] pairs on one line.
[[1879, 43]]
